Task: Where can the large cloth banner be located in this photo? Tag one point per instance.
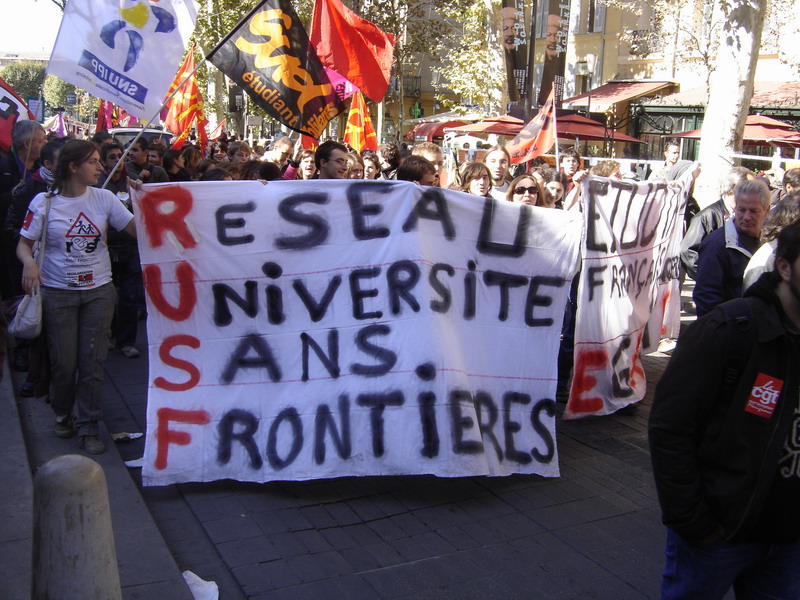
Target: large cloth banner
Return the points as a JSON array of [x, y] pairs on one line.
[[628, 295], [122, 51], [310, 329]]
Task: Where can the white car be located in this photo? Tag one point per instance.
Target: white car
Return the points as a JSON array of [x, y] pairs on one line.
[[125, 135]]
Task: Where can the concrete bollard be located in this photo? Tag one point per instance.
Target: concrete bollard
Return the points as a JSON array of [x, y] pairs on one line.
[[74, 557]]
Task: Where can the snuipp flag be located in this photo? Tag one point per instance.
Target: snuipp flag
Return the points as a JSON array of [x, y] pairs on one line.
[[269, 57], [123, 51]]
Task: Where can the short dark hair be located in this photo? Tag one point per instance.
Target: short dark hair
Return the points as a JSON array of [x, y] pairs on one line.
[[50, 150], [413, 168], [390, 153], [105, 149], [141, 143], [792, 177], [215, 174], [101, 136], [569, 152], [159, 147], [671, 142], [268, 171], [325, 149], [786, 212], [789, 243], [169, 157]]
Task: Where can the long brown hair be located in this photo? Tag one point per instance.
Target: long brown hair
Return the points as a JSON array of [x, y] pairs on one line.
[[74, 152]]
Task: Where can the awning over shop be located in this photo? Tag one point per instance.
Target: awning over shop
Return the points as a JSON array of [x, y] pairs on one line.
[[784, 94], [428, 131], [759, 130], [603, 97]]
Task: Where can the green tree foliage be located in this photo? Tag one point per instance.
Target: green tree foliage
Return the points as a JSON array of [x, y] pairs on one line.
[[56, 90], [26, 77], [472, 64]]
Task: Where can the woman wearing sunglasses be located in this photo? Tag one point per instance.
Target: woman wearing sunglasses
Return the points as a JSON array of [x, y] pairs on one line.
[[525, 190]]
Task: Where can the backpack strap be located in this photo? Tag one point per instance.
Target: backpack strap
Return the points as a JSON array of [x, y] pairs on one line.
[[741, 339]]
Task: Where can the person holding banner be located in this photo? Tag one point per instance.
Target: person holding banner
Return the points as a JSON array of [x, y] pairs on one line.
[[476, 180], [78, 296], [497, 159], [526, 190]]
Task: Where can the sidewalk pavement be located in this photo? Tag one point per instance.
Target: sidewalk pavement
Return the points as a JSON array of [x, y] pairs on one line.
[[595, 532]]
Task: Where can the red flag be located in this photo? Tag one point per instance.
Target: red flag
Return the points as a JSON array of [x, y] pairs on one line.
[[13, 109], [309, 143], [357, 49], [186, 107], [360, 133], [537, 137], [217, 133], [101, 117]]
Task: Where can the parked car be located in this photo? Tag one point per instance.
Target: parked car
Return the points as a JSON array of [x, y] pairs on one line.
[[125, 135]]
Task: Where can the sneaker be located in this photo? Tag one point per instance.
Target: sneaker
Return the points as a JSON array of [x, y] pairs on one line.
[[26, 390], [63, 427], [92, 444], [130, 351]]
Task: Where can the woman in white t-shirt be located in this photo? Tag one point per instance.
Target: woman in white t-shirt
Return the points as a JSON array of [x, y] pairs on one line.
[[78, 296]]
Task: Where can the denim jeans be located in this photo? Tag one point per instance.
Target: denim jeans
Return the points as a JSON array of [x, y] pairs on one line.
[[757, 571], [77, 323]]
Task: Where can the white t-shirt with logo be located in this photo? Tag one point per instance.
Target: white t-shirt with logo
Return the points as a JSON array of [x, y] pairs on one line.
[[76, 255]]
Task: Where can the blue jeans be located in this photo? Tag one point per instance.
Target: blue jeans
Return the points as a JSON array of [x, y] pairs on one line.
[[757, 571], [77, 323]]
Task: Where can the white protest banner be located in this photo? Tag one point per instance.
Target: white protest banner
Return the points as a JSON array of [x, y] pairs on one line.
[[312, 329], [628, 296], [121, 51]]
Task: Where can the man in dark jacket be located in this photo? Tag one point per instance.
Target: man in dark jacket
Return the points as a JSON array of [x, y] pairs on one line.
[[710, 219], [725, 444], [724, 254]]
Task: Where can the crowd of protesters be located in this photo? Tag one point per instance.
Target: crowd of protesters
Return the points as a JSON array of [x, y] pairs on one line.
[[746, 242]]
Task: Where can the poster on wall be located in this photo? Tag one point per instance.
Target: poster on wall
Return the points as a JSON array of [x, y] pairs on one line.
[[555, 51]]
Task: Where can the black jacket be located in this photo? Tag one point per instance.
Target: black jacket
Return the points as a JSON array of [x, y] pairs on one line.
[[707, 220], [714, 461], [724, 255]]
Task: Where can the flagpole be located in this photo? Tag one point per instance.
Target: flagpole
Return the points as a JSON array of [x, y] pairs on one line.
[[555, 123], [147, 125]]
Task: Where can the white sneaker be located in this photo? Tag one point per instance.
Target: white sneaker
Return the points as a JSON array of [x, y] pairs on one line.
[[129, 351]]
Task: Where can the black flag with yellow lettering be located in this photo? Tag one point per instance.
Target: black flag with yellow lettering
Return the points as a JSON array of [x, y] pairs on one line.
[[268, 56]]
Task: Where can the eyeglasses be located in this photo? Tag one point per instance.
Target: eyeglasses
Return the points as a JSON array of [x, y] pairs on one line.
[[532, 190], [341, 161]]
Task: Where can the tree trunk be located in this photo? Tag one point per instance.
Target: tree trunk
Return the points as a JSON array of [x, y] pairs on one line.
[[730, 92]]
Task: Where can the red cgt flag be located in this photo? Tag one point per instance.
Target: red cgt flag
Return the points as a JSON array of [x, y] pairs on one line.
[[13, 110], [537, 137], [360, 133], [353, 47], [186, 107]]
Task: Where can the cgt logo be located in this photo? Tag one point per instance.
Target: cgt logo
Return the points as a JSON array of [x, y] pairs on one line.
[[764, 396]]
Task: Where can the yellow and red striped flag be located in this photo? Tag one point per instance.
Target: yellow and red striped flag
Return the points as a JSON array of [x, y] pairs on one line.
[[360, 133], [186, 107]]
